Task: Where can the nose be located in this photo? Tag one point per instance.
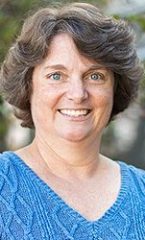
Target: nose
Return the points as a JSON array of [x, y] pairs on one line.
[[77, 91]]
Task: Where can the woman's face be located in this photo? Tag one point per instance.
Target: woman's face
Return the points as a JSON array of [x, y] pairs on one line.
[[72, 95]]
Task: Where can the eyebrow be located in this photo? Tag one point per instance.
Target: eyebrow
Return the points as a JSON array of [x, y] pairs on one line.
[[56, 66], [62, 67], [97, 66]]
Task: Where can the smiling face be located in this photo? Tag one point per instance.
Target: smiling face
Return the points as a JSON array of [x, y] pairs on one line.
[[72, 95]]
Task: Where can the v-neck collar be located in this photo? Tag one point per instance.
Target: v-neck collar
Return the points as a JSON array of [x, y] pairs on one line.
[[107, 216]]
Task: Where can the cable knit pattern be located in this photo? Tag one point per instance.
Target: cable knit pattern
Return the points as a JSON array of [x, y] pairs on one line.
[[31, 210]]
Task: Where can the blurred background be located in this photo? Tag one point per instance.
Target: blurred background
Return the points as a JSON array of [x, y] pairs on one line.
[[124, 139]]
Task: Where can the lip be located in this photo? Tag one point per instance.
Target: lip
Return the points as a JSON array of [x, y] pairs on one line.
[[75, 118]]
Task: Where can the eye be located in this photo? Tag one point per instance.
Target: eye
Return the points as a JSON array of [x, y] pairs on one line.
[[96, 76], [54, 76]]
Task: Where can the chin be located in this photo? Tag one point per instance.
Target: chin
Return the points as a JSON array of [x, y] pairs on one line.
[[74, 139], [74, 136]]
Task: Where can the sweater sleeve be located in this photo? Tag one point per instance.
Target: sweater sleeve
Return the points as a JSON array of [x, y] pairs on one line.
[[16, 202], [8, 188], [4, 192]]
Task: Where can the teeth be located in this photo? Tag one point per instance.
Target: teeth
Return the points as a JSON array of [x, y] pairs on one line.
[[74, 113]]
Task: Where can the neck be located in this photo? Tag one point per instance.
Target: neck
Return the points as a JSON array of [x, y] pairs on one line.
[[80, 159]]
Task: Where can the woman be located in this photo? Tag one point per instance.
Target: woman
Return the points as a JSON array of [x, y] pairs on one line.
[[70, 71]]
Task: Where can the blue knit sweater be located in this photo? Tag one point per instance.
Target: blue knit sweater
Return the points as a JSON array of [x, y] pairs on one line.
[[31, 210]]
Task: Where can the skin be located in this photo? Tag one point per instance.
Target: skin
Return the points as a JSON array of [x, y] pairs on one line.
[[66, 148], [74, 90]]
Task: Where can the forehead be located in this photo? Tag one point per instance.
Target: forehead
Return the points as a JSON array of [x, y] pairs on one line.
[[62, 50]]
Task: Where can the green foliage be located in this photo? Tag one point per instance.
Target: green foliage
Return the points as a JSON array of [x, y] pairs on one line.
[[140, 19], [12, 14]]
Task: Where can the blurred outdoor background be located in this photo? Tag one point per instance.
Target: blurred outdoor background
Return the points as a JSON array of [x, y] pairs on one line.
[[125, 137]]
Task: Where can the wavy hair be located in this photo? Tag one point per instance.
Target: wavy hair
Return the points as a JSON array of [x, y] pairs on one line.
[[96, 36]]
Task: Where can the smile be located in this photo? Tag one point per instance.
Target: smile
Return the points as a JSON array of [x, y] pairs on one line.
[[74, 112]]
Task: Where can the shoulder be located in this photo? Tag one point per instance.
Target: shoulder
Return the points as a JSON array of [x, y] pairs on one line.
[[9, 174], [7, 170], [6, 162], [136, 173], [135, 178], [5, 157], [16, 198]]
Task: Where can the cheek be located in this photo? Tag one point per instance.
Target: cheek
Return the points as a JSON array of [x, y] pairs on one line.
[[108, 99], [46, 96], [103, 107], [103, 98]]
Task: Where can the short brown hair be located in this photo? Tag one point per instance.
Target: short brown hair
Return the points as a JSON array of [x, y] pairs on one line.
[[96, 36]]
